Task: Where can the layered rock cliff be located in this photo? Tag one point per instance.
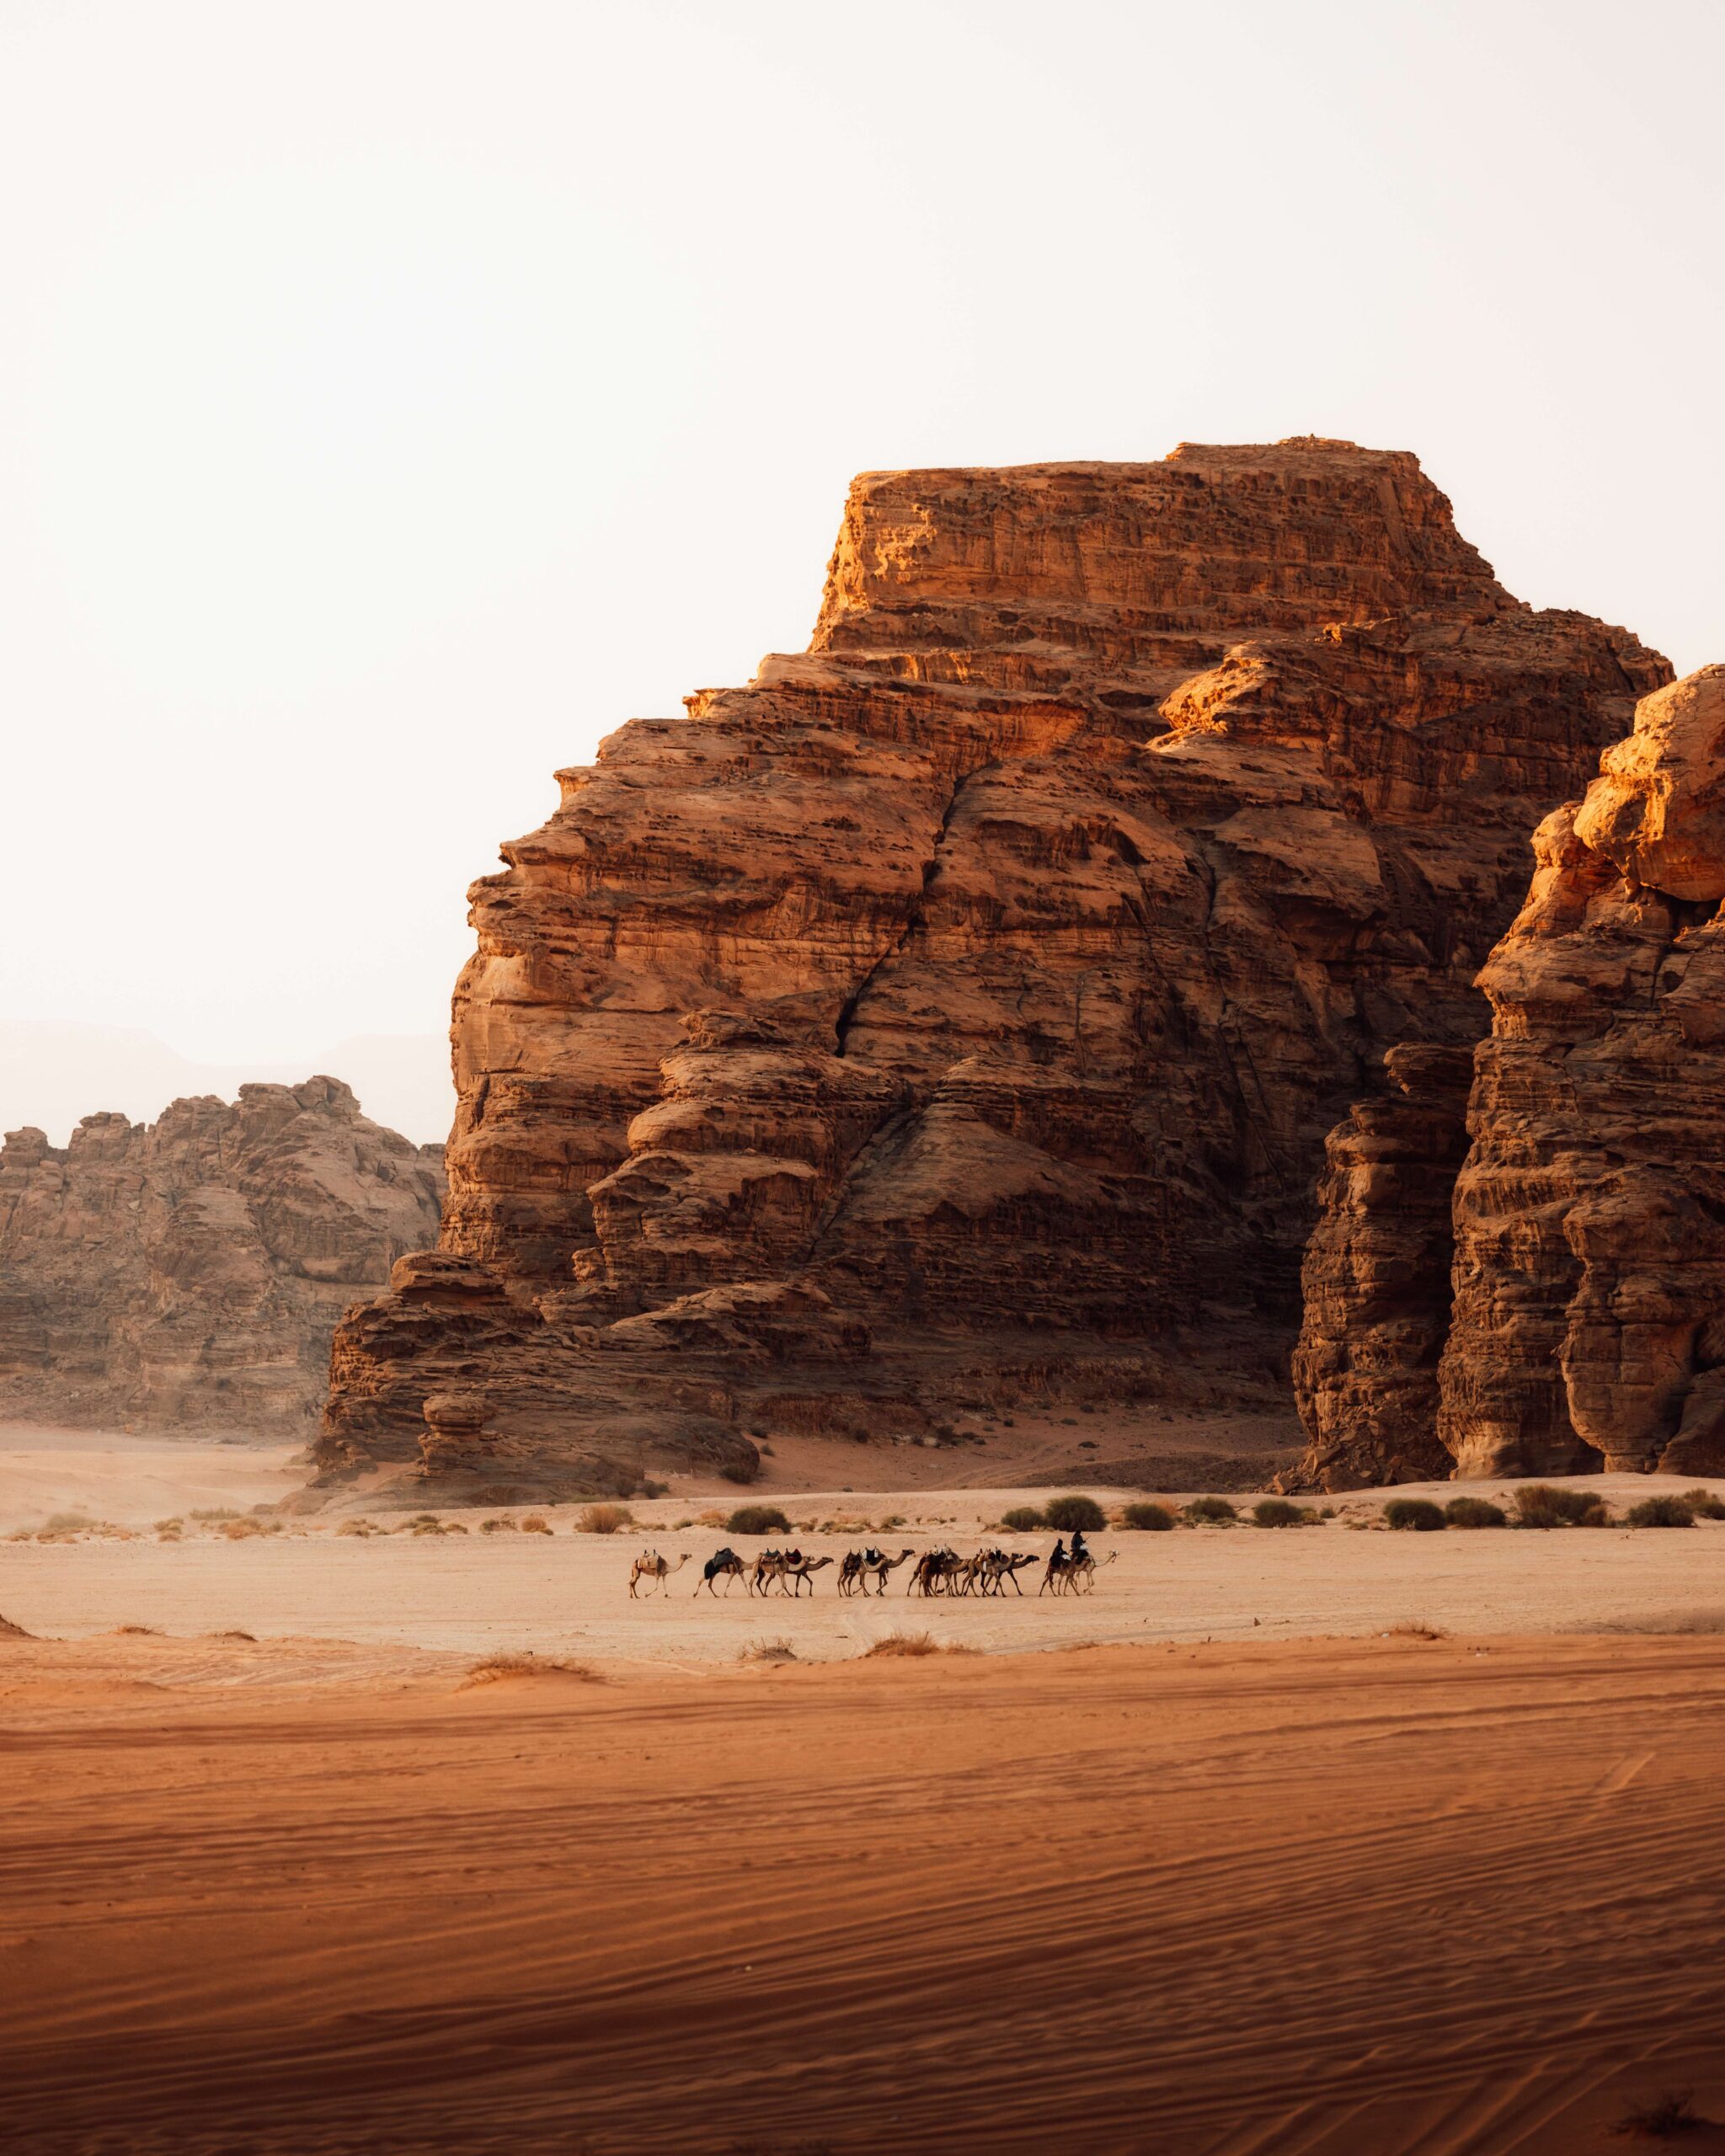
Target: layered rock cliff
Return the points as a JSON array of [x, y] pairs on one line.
[[1587, 1326], [190, 1273], [965, 1001]]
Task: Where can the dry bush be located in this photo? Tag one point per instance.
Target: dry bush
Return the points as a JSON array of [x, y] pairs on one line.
[[1148, 1518], [495, 1665], [1206, 1511], [68, 1523], [169, 1526], [1704, 1504], [603, 1519], [536, 1523], [358, 1527], [238, 1530], [497, 1526], [214, 1511], [1075, 1516], [1660, 1512], [1474, 1511], [1277, 1512], [913, 1643], [1023, 1519], [780, 1649], [711, 1517], [1549, 1504], [650, 1488], [1663, 2118], [1671, 1623], [741, 1470], [1417, 1628], [137, 1631], [757, 1520], [1413, 1515]]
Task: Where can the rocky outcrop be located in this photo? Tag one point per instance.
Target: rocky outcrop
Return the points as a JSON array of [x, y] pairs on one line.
[[1375, 1279], [190, 1272], [968, 997], [1589, 1311], [1587, 1323]]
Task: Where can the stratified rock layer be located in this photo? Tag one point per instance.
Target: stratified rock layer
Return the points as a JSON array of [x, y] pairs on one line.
[[190, 1273], [970, 994], [1590, 1283]]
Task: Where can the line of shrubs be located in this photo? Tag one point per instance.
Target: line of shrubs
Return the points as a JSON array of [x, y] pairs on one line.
[[1548, 1505]]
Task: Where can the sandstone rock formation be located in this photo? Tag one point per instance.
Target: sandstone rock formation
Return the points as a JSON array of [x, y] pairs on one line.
[[1587, 1326], [190, 1273], [960, 1008], [1589, 1312], [1376, 1279]]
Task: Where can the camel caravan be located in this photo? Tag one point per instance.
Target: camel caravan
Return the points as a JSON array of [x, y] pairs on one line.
[[935, 1571]]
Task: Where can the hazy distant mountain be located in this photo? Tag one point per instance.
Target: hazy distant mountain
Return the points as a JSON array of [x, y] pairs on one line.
[[52, 1075]]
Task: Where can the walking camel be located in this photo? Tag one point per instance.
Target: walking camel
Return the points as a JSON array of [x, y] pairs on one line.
[[650, 1566], [858, 1564], [725, 1561], [798, 1568]]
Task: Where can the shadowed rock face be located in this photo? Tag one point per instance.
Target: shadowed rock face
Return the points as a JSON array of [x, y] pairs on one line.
[[1375, 1279], [191, 1272], [973, 991]]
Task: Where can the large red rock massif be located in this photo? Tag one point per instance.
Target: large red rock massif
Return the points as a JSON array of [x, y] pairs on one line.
[[1587, 1323], [190, 1273], [956, 1013]]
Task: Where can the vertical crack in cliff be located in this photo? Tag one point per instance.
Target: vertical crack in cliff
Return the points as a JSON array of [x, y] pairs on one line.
[[913, 919]]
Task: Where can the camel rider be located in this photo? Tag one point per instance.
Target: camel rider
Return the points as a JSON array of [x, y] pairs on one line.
[[1057, 1555], [1081, 1548]]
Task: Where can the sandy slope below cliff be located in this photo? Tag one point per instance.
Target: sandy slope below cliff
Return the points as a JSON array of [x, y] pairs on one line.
[[1362, 1899], [108, 1476]]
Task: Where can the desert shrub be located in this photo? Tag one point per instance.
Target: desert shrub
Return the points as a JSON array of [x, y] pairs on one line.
[[757, 1520], [902, 1643], [358, 1527], [237, 1530], [1149, 1518], [1660, 1512], [1704, 1504], [603, 1519], [1549, 1504], [1417, 1628], [497, 1526], [528, 1665], [1211, 1511], [138, 1631], [70, 1523], [1075, 1516], [535, 1523], [650, 1488], [1276, 1512], [1417, 1515], [742, 1470], [780, 1649], [1474, 1511], [1023, 1519], [216, 1512], [1663, 2118]]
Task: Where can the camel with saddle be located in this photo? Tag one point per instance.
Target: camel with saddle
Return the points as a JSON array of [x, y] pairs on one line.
[[651, 1566], [858, 1565]]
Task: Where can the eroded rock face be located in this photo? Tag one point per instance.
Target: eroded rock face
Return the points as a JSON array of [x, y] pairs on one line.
[[1589, 1311], [1375, 1279], [190, 1273], [974, 990]]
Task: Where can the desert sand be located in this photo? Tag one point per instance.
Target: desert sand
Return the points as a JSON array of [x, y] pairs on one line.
[[1338, 1898], [1243, 1861]]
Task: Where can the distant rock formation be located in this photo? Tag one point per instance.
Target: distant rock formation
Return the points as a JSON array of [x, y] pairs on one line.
[[1587, 1326], [190, 1273], [964, 1001]]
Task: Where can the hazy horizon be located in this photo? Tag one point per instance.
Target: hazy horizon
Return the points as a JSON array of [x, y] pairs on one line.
[[397, 399]]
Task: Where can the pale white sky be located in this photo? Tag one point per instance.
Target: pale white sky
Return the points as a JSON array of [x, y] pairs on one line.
[[397, 394]]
